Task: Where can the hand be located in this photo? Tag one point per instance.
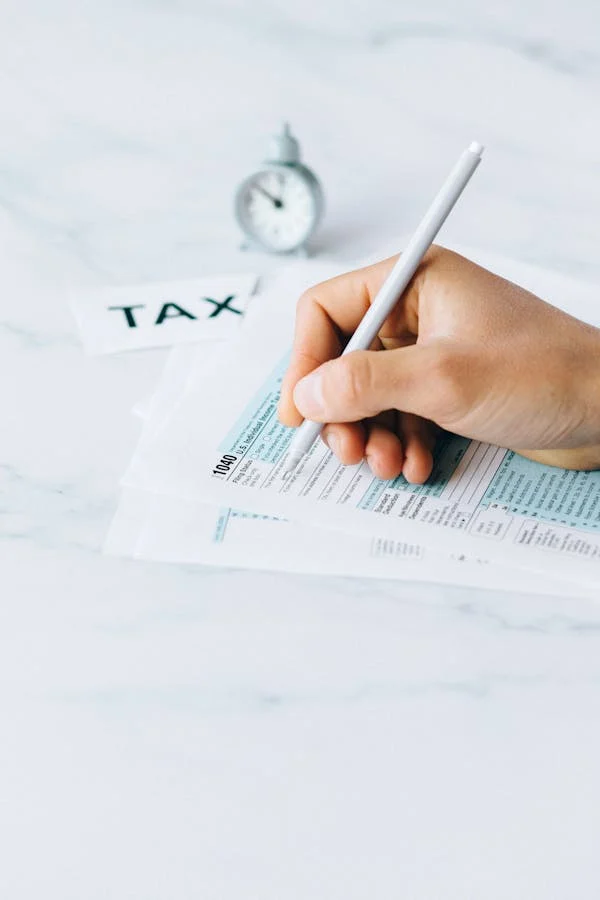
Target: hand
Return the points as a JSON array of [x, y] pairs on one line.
[[464, 350]]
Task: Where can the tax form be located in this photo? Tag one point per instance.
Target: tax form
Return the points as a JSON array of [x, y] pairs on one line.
[[171, 529], [224, 445]]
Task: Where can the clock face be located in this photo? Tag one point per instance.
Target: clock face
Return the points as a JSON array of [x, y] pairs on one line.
[[278, 208]]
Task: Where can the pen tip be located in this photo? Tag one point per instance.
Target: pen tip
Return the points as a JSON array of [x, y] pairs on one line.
[[291, 463], [476, 147]]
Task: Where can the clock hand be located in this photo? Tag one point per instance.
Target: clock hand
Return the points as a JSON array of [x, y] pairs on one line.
[[277, 203]]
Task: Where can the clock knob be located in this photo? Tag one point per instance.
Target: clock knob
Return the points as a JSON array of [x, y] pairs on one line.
[[284, 148]]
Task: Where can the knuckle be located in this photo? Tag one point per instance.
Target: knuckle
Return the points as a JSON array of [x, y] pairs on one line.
[[434, 262], [353, 380], [305, 300], [310, 297], [437, 253], [434, 254]]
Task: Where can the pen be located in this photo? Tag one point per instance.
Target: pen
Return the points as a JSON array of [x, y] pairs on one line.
[[395, 284]]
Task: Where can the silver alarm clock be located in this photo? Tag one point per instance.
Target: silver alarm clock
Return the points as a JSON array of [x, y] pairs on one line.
[[279, 206]]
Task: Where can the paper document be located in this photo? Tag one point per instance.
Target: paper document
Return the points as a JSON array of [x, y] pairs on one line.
[[132, 317], [170, 529], [226, 447]]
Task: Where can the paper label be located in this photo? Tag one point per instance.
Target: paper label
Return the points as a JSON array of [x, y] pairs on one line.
[[156, 315]]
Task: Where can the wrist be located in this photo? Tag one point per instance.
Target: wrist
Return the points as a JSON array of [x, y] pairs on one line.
[[590, 392], [578, 446]]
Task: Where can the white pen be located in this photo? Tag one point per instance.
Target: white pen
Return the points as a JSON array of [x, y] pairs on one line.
[[395, 284]]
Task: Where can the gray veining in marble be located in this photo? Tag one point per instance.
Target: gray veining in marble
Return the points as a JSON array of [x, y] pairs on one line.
[[181, 733]]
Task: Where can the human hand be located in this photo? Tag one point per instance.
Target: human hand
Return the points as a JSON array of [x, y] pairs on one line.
[[465, 350]]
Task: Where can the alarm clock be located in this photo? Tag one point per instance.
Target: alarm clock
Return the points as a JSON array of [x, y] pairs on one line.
[[279, 207]]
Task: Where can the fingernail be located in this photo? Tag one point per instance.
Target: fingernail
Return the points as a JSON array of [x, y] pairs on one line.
[[308, 396], [332, 440]]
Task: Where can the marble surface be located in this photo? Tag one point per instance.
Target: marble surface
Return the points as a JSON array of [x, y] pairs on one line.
[[185, 733]]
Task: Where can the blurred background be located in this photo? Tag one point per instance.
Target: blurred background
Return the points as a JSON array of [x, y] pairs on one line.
[[127, 126]]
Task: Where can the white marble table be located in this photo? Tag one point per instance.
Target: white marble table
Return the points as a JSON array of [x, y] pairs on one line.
[[188, 734]]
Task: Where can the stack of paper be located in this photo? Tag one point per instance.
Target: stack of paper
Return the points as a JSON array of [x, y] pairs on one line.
[[205, 484]]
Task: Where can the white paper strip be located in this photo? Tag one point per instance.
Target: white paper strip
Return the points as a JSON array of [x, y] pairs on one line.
[[155, 315]]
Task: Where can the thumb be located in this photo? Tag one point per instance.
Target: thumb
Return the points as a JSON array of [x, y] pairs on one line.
[[366, 382]]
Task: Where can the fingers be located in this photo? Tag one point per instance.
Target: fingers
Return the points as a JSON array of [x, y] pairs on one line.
[[362, 384], [391, 446], [347, 441], [331, 311], [326, 315], [375, 440], [324, 344], [384, 452], [419, 438], [345, 299]]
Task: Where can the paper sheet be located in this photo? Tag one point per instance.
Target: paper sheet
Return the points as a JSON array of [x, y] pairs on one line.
[[153, 527], [469, 506], [154, 315], [169, 529]]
